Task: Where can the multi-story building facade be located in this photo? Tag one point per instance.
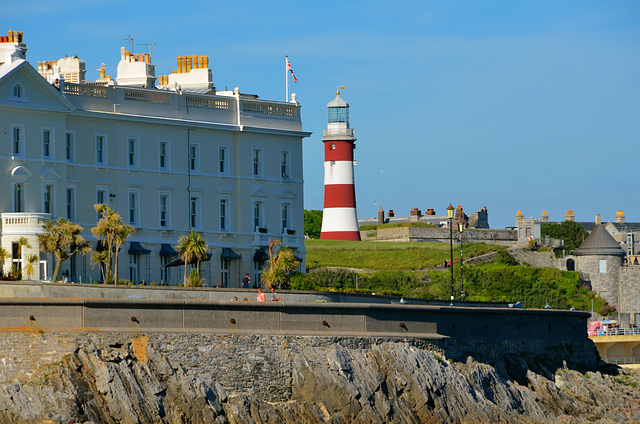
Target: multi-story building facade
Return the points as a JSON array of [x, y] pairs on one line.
[[168, 159]]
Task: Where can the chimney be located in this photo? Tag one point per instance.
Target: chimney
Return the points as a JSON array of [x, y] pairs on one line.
[[544, 217], [390, 214], [620, 217], [569, 216], [380, 216], [430, 211], [519, 217], [414, 215], [598, 220]]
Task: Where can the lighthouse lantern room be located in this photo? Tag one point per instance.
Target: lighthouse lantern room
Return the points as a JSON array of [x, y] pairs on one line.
[[340, 220]]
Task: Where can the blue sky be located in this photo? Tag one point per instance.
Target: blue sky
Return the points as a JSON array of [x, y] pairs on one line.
[[504, 104]]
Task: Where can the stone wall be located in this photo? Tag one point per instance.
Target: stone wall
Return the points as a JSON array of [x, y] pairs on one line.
[[425, 234]]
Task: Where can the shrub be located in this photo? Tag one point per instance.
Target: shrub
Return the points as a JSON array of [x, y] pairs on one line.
[[301, 282], [338, 278]]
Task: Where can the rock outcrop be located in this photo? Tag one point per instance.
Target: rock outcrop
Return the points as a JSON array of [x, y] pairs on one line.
[[390, 381]]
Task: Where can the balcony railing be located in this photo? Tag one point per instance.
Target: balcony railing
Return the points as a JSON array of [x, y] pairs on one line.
[[23, 222]]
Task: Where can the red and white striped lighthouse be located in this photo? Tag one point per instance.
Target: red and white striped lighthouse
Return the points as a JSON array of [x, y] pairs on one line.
[[339, 220]]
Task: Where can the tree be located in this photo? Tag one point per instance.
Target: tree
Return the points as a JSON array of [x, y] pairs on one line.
[[100, 258], [277, 270], [192, 248], [312, 223], [571, 232], [30, 268], [112, 233], [22, 243], [63, 239], [4, 254]]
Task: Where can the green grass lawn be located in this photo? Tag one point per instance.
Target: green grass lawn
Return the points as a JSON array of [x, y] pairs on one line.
[[390, 256]]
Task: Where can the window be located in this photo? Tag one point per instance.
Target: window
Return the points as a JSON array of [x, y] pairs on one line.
[[222, 160], [224, 224], [70, 147], [101, 150], [603, 266], [332, 146], [18, 140], [257, 215], [17, 91], [285, 217], [194, 162], [163, 155], [224, 272], [133, 208], [133, 268], [164, 210], [71, 204], [18, 197], [257, 162], [284, 164], [194, 212], [133, 156], [101, 199], [47, 199], [47, 140]]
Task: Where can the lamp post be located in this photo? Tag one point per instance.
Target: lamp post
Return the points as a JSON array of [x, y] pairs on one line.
[[450, 210], [460, 229]]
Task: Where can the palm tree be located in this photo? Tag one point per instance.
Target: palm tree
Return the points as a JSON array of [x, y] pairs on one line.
[[4, 254], [22, 243], [30, 268], [100, 258], [192, 247], [276, 271], [63, 238], [112, 232]]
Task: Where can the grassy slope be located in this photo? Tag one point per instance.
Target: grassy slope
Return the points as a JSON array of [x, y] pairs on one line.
[[390, 256]]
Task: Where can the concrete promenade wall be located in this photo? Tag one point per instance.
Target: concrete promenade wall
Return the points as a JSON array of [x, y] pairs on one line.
[[280, 318], [425, 234], [108, 291]]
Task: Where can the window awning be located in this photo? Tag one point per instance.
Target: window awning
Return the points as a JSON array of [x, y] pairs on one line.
[[180, 262], [230, 254], [260, 255], [167, 250], [136, 248]]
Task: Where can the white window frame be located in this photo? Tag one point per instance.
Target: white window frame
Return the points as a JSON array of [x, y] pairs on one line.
[[225, 264], [133, 207], [18, 204], [257, 162], [48, 143], [223, 160], [134, 267], [285, 217], [19, 143], [224, 214], [17, 92], [167, 212], [49, 190], [104, 151], [194, 161], [285, 164], [195, 207], [258, 219], [70, 146], [70, 203], [104, 200], [167, 155], [133, 152], [602, 266]]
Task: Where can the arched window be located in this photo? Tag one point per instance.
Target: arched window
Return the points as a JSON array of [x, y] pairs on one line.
[[17, 91]]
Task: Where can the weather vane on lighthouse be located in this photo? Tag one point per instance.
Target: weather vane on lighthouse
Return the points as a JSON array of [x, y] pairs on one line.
[[339, 220]]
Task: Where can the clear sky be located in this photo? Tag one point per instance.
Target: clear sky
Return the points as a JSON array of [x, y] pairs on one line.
[[531, 105]]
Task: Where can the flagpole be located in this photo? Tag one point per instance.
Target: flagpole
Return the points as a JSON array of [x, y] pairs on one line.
[[286, 79]]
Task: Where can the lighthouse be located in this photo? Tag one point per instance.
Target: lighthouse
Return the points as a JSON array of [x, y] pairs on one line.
[[339, 220]]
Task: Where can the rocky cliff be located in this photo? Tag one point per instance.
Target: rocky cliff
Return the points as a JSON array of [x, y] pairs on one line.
[[151, 378]]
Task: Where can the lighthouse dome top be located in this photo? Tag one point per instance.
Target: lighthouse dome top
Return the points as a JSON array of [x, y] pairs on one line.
[[337, 102]]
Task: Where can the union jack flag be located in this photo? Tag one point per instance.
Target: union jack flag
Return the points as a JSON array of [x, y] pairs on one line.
[[290, 69]]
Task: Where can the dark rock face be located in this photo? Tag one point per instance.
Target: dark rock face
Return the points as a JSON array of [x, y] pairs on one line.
[[386, 382]]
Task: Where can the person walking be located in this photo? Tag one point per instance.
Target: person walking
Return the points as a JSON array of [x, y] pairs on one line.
[[246, 281]]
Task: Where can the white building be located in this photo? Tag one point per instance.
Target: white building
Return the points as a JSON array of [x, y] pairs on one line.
[[228, 165]]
